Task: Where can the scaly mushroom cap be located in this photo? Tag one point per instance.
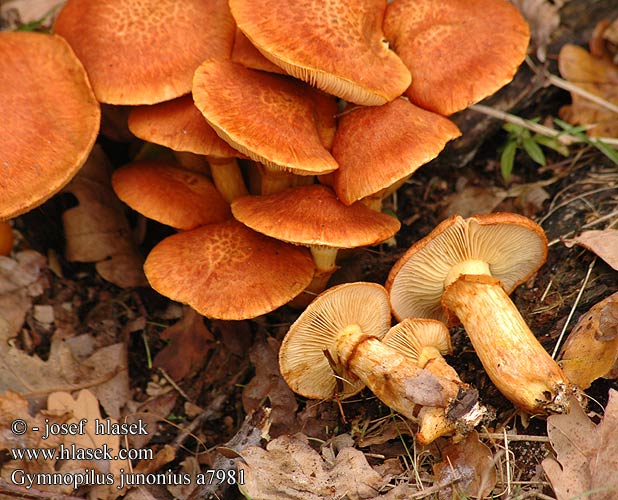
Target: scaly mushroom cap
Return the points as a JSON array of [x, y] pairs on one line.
[[458, 51], [336, 45], [508, 246], [310, 342], [312, 215], [145, 52], [50, 119], [245, 53], [170, 195], [227, 271], [179, 125], [379, 146], [268, 117]]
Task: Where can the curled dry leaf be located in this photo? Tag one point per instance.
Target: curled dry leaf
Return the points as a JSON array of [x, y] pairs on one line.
[[603, 243], [586, 454], [86, 406], [268, 383], [467, 469], [597, 76], [97, 230], [543, 18], [591, 350], [189, 343], [307, 476]]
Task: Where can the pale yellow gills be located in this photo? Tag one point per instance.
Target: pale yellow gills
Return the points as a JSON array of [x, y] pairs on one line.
[[145, 52], [336, 45], [170, 194], [227, 271], [180, 126], [458, 51], [378, 147], [268, 117], [313, 216], [463, 269], [50, 119]]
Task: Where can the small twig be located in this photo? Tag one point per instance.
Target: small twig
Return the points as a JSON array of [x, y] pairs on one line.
[[176, 387], [575, 304], [508, 463], [564, 137], [514, 437], [570, 87]]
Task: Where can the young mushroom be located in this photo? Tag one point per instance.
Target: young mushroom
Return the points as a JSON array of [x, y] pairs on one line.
[[466, 268], [425, 341], [334, 348]]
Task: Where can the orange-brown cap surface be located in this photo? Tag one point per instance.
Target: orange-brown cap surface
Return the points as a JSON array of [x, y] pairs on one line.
[[337, 46], [145, 52], [458, 51], [228, 271], [170, 195], [507, 246], [381, 145], [303, 355], [312, 215], [245, 53], [179, 125], [268, 117], [50, 119]]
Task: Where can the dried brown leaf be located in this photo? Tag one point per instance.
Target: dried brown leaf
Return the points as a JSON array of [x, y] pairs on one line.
[[18, 12], [591, 349], [474, 200], [268, 383], [97, 230], [543, 18], [307, 476], [467, 468], [586, 454], [86, 406], [603, 243], [598, 76], [189, 343]]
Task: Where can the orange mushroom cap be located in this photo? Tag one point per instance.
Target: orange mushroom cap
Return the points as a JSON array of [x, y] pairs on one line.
[[338, 45], [312, 215], [268, 117], [245, 53], [458, 51], [145, 52], [50, 119], [169, 194], [379, 146], [228, 271], [179, 125]]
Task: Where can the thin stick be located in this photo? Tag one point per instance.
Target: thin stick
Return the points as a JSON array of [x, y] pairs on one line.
[[514, 437], [508, 463], [563, 137], [575, 304], [565, 85]]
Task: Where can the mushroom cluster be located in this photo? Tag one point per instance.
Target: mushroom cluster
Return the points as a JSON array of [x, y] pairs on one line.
[[260, 82]]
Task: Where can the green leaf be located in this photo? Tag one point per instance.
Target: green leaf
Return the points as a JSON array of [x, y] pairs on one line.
[[551, 143], [507, 159], [607, 150], [534, 150]]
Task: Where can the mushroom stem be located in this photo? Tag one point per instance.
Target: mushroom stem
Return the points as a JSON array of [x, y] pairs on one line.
[[275, 180], [227, 178], [391, 376], [512, 356]]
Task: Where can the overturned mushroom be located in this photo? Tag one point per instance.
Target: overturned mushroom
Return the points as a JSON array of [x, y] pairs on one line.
[[334, 348], [425, 341], [465, 268]]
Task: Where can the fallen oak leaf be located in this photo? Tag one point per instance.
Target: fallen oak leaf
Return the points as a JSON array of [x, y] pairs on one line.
[[586, 454], [97, 230], [603, 243], [591, 349], [189, 341]]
